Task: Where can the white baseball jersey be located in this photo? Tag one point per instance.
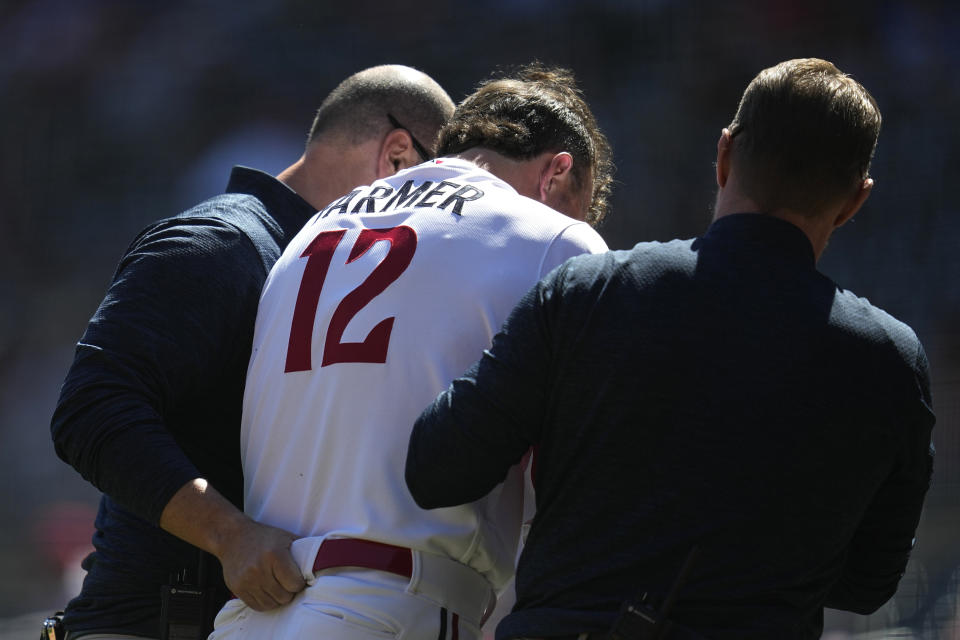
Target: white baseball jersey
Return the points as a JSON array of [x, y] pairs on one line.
[[376, 305]]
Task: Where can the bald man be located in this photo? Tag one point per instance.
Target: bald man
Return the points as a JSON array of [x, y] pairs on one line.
[[150, 409]]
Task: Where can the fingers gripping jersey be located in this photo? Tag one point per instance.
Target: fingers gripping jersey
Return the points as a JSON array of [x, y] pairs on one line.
[[376, 305]]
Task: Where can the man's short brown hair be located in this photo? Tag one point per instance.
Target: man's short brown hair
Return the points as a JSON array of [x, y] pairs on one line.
[[804, 136], [535, 110]]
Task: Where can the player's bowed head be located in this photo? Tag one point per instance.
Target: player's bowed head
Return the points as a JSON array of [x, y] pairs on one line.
[[799, 148], [534, 130]]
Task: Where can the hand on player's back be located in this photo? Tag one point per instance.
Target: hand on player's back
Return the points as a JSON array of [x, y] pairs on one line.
[[258, 567]]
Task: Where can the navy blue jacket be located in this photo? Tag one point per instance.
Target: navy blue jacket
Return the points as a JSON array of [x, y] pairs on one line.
[[718, 393], [154, 396]]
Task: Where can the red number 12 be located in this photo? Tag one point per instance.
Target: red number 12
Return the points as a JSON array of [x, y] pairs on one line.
[[319, 254]]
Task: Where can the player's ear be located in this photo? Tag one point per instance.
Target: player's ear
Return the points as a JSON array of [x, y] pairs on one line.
[[396, 153], [559, 188], [556, 176]]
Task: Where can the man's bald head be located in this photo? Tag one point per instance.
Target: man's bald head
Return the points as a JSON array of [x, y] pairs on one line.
[[357, 109]]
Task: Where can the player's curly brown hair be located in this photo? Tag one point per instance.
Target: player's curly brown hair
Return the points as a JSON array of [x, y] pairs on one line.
[[528, 112]]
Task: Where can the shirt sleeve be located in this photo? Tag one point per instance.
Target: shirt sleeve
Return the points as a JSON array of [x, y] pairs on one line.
[[880, 549], [464, 443], [576, 239], [156, 340]]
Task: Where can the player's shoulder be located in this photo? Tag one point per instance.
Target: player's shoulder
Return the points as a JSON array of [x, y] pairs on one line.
[[528, 220]]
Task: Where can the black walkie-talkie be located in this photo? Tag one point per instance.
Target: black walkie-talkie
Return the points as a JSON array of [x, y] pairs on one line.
[[181, 608], [184, 605], [638, 620]]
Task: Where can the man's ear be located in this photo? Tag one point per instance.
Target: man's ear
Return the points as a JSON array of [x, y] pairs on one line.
[[723, 158], [556, 175], [856, 201], [396, 153]]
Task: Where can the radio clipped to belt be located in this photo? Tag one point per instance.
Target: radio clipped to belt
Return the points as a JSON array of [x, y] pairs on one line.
[[639, 620], [187, 606]]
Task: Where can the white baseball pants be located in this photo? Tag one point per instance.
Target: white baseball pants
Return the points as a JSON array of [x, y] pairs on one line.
[[442, 600]]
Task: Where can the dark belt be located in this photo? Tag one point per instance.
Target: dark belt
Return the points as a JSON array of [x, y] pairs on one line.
[[674, 632], [576, 636], [365, 554]]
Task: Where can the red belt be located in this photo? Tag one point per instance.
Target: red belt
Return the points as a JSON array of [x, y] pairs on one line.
[[367, 554]]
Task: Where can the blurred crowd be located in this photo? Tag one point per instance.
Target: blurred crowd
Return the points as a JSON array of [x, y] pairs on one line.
[[114, 114]]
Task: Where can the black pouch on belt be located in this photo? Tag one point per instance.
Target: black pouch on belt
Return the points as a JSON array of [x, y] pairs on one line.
[[186, 605]]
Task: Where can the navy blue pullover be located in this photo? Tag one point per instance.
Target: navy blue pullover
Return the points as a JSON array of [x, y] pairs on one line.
[[718, 393], [154, 396]]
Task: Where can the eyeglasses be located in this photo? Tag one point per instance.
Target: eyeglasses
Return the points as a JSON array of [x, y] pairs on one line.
[[413, 139]]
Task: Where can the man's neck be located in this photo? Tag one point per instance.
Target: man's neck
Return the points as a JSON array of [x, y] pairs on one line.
[[816, 227], [522, 175], [327, 171]]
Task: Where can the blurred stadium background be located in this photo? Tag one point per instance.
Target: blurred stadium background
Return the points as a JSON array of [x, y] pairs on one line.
[[116, 113]]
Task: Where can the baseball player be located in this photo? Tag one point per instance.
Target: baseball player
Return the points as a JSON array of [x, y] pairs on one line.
[[384, 296]]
